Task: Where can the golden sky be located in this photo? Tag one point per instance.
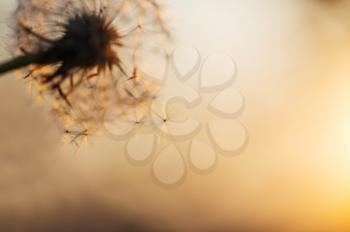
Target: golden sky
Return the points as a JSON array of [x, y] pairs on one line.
[[292, 61]]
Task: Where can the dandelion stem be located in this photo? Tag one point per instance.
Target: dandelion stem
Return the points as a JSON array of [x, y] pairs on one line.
[[19, 62]]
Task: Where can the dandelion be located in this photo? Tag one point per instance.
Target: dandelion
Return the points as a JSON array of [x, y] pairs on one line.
[[81, 54]]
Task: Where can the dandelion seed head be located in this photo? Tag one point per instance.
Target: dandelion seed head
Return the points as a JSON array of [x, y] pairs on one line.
[[86, 56]]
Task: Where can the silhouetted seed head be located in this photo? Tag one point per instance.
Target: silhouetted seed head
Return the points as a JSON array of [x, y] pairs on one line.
[[87, 42], [83, 56]]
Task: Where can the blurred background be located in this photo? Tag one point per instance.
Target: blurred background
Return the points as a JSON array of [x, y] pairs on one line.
[[292, 58]]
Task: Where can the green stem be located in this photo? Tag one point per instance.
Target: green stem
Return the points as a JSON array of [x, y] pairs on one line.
[[19, 62]]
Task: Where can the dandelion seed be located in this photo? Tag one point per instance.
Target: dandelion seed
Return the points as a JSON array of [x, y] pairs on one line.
[[80, 54]]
